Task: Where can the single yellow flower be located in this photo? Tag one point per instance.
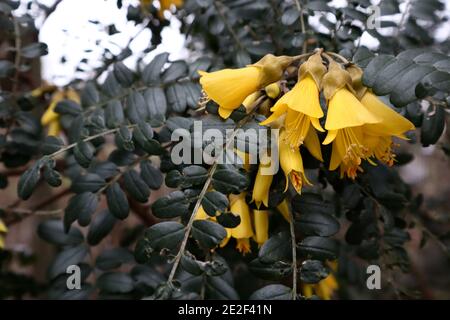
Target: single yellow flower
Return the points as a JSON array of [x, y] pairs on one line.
[[261, 225], [302, 107], [345, 120], [261, 187], [243, 232], [3, 229], [292, 164], [50, 118], [230, 87]]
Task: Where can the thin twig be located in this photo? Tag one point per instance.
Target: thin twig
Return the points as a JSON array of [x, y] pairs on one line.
[[217, 5], [18, 49], [294, 255], [343, 59], [205, 188], [302, 25], [101, 134], [403, 18]]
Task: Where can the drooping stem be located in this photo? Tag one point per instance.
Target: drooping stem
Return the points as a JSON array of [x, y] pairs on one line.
[[343, 59], [302, 25], [294, 255], [18, 48], [205, 188]]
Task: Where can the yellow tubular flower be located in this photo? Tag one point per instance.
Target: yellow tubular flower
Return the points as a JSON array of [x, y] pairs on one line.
[[229, 87], [345, 120], [243, 232], [261, 225], [302, 107], [261, 187], [292, 164], [3, 229]]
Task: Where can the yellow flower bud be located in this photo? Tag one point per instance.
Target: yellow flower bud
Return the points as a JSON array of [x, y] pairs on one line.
[[335, 79], [356, 73], [314, 67], [262, 187], [273, 90]]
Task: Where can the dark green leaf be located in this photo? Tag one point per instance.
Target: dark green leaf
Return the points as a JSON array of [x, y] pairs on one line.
[[66, 258], [51, 144], [34, 50], [81, 207], [151, 175], [172, 205], [313, 271], [124, 139], [83, 153], [228, 179], [53, 231], [101, 226], [176, 70], [317, 224], [123, 75], [117, 201], [137, 109], [270, 271], [28, 181], [272, 292], [215, 202], [114, 116], [277, 248], [89, 182], [151, 73], [115, 282], [319, 248], [69, 107], [208, 233], [432, 126], [135, 186], [113, 258]]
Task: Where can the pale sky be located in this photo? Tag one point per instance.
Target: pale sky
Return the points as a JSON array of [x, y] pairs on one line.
[[68, 33]]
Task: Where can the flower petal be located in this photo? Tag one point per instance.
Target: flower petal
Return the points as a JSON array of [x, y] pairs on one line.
[[345, 111]]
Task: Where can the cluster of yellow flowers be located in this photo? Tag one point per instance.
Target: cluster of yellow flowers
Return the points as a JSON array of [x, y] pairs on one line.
[[358, 124], [50, 118], [3, 229]]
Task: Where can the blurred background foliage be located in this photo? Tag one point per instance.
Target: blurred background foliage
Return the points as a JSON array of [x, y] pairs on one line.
[[97, 187]]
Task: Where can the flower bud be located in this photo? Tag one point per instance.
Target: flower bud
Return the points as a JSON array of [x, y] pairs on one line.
[[336, 78]]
